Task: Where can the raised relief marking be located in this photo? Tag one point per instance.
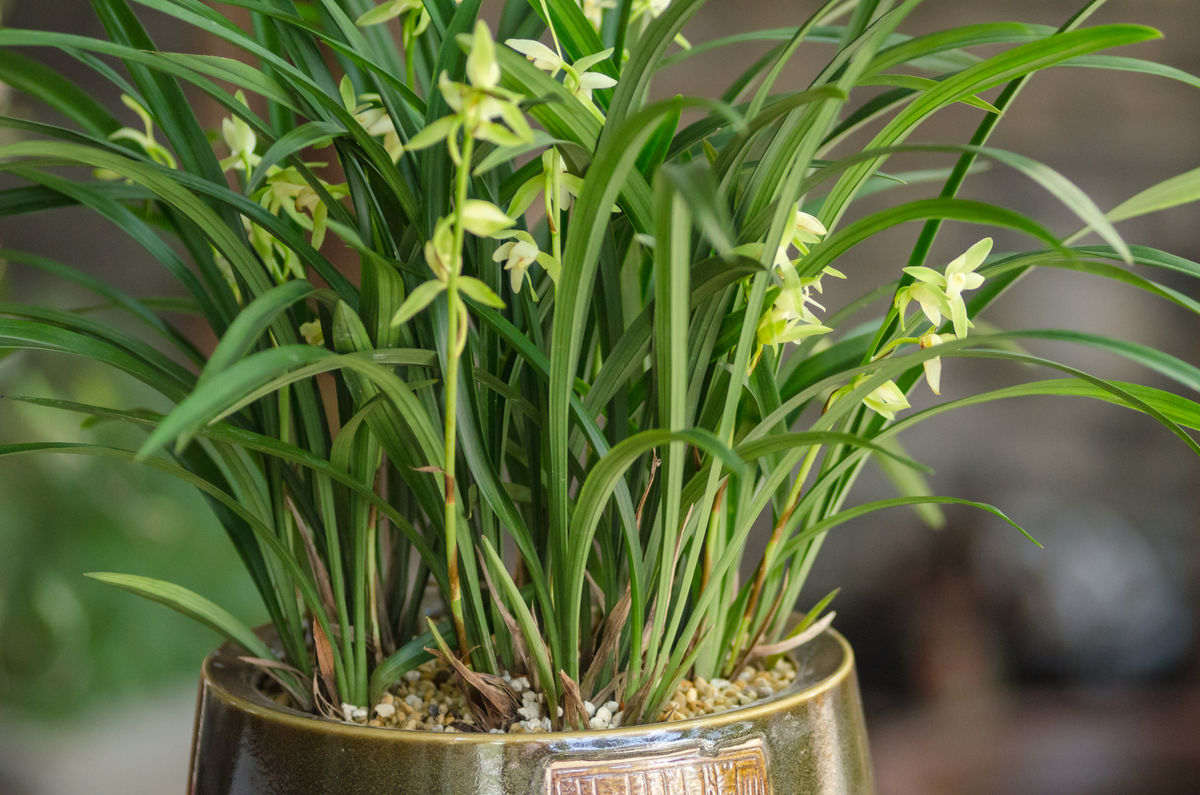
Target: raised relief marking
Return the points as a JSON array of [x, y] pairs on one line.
[[740, 770]]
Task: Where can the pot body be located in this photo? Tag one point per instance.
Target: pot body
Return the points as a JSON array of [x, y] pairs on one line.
[[809, 738]]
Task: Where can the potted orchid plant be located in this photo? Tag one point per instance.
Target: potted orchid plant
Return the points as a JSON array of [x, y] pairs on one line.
[[513, 361]]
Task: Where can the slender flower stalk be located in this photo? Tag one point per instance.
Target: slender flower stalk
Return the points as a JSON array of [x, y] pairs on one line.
[[455, 329]]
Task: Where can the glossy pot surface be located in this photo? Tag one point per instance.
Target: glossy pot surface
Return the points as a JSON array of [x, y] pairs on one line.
[[809, 738]]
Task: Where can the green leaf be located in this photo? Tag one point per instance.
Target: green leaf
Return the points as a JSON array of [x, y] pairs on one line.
[[252, 321], [814, 530], [403, 660], [47, 85], [289, 144], [994, 71], [649, 50], [910, 483], [191, 605], [529, 629], [599, 485], [1138, 65], [1173, 192], [845, 238], [923, 84]]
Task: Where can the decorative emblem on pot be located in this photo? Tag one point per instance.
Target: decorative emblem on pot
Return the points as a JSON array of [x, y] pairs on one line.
[[739, 770]]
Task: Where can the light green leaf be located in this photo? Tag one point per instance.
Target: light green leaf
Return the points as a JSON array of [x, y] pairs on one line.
[[1173, 192], [191, 605]]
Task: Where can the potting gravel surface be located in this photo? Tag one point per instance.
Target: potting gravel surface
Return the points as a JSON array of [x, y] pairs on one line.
[[428, 699]]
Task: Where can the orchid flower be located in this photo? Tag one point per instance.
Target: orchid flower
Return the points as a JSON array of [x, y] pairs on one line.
[[581, 81], [369, 112], [477, 104], [940, 294], [241, 140], [885, 400], [806, 230], [144, 137], [390, 10], [594, 10], [517, 255], [933, 367], [312, 333], [541, 56]]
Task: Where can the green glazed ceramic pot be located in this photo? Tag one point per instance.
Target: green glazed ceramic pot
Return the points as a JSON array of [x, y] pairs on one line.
[[809, 739]]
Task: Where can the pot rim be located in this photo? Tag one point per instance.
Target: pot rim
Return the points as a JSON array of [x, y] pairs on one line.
[[216, 681]]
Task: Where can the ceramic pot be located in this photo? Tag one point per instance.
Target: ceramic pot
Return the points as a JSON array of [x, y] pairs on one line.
[[809, 738]]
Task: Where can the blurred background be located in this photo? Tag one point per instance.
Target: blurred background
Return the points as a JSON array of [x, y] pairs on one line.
[[987, 665]]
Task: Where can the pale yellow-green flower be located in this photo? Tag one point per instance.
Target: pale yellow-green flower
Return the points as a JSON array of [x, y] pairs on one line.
[[439, 251], [779, 326], [790, 317], [241, 140], [594, 10], [557, 185], [539, 54], [476, 104], [282, 261], [390, 10], [795, 297], [484, 219], [933, 367], [482, 68], [369, 112], [287, 190], [581, 81], [312, 333], [886, 399], [940, 294], [806, 230], [517, 255], [654, 8], [144, 137]]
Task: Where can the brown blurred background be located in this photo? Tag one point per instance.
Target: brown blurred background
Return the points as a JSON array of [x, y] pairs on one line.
[[987, 665]]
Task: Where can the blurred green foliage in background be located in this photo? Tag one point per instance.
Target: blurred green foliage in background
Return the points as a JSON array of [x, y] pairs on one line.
[[68, 640]]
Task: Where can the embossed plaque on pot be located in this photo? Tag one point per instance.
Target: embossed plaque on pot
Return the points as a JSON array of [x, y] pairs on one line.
[[739, 770]]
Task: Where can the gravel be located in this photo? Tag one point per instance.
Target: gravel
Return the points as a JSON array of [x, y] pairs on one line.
[[428, 699]]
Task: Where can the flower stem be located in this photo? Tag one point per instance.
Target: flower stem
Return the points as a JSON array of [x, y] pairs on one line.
[[410, 46], [453, 354]]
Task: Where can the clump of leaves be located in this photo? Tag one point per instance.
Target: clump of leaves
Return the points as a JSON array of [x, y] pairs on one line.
[[492, 321]]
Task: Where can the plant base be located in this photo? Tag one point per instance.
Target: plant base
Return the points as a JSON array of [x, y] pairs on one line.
[[810, 738]]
